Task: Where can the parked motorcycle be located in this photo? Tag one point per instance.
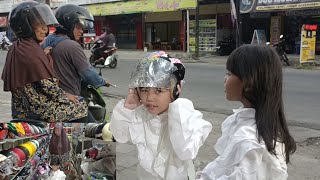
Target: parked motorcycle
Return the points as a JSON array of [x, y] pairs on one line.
[[225, 47], [279, 46], [5, 43], [109, 58]]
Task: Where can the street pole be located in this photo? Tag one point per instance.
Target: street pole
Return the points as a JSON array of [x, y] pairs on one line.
[[188, 31], [197, 32], [143, 30]]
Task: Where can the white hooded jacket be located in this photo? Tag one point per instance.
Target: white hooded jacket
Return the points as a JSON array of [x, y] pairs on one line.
[[241, 155], [165, 143]]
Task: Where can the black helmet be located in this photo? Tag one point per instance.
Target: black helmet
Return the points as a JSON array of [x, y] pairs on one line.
[[68, 15], [24, 14]]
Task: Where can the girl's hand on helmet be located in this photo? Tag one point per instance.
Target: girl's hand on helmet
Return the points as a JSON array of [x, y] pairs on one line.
[[132, 100]]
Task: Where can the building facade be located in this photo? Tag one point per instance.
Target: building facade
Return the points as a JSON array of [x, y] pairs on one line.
[[154, 24], [280, 17]]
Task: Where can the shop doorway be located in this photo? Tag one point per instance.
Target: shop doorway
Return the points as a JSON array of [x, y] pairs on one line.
[[126, 29], [162, 36]]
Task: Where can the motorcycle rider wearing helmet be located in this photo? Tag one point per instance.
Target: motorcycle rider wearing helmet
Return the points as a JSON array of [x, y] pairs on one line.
[[28, 73], [70, 62], [108, 40]]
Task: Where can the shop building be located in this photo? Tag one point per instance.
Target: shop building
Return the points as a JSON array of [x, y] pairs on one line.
[[280, 17], [156, 24], [164, 24]]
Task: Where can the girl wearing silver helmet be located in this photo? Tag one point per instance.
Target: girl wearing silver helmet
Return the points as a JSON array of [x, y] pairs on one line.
[[166, 129]]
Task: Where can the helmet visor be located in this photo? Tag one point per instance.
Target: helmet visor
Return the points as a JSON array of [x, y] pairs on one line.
[[42, 14], [86, 24]]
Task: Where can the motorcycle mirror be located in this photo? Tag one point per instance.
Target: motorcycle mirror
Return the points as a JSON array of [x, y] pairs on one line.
[[281, 36]]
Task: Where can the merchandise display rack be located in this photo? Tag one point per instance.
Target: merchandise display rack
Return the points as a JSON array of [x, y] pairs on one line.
[[13, 177], [11, 143]]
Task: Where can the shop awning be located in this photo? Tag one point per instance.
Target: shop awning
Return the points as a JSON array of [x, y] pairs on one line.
[[138, 6], [247, 6], [3, 21]]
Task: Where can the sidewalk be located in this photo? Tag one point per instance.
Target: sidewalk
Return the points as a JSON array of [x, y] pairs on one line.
[[189, 57], [305, 162], [185, 57]]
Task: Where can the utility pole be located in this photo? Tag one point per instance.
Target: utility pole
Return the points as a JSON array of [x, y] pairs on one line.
[[238, 24], [188, 31], [197, 32]]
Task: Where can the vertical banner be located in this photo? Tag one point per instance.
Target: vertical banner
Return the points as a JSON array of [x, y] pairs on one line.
[[207, 35], [308, 43], [275, 29], [233, 12]]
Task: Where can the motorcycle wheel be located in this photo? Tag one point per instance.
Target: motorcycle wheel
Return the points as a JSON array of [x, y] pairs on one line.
[[91, 60], [113, 64], [285, 59]]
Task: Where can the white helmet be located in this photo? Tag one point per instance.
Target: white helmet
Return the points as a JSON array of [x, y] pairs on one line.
[[106, 133]]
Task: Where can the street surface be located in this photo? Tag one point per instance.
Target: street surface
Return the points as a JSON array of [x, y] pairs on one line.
[[204, 86]]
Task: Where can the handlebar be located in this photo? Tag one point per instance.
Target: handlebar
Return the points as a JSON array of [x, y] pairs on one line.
[[277, 43], [109, 84]]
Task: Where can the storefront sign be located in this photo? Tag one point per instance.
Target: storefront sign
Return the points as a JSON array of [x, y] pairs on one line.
[[308, 43], [247, 6], [57, 3], [20, 1], [308, 12], [137, 6]]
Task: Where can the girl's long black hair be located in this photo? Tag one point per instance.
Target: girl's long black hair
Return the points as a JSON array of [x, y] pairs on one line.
[[260, 69]]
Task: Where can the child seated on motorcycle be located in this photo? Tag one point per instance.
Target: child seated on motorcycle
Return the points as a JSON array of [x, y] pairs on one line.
[[166, 129]]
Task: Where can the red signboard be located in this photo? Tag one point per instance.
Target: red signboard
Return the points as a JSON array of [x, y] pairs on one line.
[[310, 27]]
